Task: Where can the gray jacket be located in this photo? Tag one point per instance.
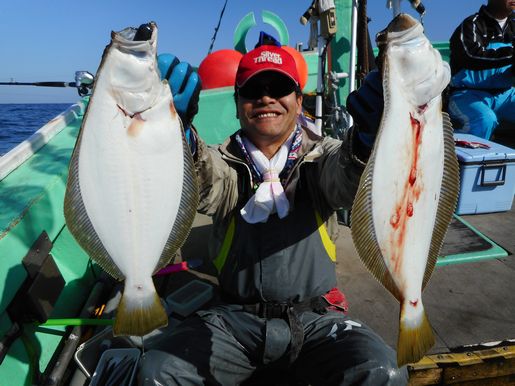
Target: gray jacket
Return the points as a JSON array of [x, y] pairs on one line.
[[288, 259]]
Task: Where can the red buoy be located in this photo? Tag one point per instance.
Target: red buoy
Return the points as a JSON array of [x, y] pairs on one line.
[[218, 69], [302, 66]]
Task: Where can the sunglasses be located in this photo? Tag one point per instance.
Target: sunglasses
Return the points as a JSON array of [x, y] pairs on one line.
[[273, 85]]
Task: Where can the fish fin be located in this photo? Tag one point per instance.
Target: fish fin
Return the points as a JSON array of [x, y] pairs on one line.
[[449, 192], [141, 318], [187, 208], [77, 219], [415, 334], [363, 231]]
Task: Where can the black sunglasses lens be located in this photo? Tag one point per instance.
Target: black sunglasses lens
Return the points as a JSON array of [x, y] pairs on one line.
[[277, 89], [249, 92]]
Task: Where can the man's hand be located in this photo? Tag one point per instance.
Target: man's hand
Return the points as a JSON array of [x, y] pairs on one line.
[[185, 85], [366, 107]]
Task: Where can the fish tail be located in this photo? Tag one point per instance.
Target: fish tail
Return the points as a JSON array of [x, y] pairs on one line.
[[415, 334], [139, 315]]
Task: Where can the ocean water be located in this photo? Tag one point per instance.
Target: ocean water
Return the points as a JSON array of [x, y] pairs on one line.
[[19, 121]]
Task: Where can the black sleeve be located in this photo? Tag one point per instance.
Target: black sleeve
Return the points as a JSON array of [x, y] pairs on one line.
[[470, 49]]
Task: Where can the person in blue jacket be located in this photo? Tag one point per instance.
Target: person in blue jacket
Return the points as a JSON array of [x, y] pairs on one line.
[[481, 89]]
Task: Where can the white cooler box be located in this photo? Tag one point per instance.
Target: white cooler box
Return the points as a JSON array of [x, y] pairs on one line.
[[487, 175]]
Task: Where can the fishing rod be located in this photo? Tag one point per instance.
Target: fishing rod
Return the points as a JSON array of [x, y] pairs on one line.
[[418, 6], [44, 84], [83, 83], [213, 39]]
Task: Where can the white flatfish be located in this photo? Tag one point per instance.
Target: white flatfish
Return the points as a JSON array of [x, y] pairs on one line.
[[408, 191], [131, 194]]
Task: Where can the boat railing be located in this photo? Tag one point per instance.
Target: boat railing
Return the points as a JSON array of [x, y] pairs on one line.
[[24, 150]]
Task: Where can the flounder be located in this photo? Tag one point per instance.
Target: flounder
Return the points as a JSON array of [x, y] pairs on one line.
[[408, 191], [131, 194]]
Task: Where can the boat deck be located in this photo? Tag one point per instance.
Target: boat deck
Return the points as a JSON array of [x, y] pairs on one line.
[[467, 303]]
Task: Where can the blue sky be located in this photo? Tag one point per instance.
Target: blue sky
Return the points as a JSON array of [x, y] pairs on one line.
[[50, 40]]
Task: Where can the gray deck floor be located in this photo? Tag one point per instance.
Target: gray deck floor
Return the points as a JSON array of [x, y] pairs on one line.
[[467, 303]]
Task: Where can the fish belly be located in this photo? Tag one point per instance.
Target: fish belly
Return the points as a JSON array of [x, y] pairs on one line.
[[409, 187], [407, 178], [131, 197], [131, 194]]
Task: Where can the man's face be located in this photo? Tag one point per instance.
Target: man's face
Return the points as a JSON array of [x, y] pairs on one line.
[[268, 108], [503, 5]]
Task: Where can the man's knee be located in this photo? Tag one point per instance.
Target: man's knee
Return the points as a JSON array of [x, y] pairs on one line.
[[374, 373], [159, 368], [479, 124], [483, 126], [471, 115], [389, 375], [380, 368]]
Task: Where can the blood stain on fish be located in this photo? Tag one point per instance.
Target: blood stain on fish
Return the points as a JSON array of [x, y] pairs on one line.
[[413, 176], [394, 220], [411, 193], [172, 110], [136, 125], [409, 209]]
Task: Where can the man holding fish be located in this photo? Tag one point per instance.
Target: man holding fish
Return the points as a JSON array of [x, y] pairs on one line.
[[272, 189]]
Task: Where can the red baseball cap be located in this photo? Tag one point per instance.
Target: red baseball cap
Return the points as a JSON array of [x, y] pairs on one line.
[[266, 58]]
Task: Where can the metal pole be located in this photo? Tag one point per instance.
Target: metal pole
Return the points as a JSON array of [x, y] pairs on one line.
[[354, 33], [396, 7], [352, 61], [318, 100]]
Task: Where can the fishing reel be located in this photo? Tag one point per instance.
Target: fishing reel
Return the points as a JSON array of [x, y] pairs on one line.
[[325, 11], [338, 120], [84, 82]]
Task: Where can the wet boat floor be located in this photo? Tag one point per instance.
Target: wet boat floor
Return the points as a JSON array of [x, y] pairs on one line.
[[467, 303]]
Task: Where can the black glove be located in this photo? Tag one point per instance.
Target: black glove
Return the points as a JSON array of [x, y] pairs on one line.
[[365, 105]]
